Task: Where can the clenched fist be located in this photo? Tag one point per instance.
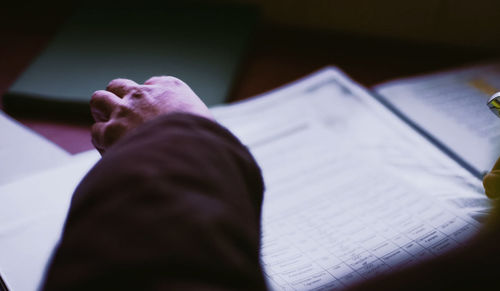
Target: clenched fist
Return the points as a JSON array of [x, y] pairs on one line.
[[124, 105]]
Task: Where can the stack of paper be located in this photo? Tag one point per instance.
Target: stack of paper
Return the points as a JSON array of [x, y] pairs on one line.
[[353, 191], [343, 200]]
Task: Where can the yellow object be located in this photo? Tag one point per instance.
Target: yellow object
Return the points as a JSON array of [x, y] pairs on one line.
[[494, 104], [483, 86]]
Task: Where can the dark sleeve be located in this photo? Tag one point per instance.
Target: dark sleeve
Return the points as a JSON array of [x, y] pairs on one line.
[[175, 205]]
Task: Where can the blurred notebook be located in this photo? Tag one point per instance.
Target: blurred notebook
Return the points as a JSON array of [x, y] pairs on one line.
[[201, 45]]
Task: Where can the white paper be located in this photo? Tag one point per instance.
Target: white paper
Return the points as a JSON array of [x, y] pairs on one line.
[[23, 152], [32, 214], [351, 191], [451, 106]]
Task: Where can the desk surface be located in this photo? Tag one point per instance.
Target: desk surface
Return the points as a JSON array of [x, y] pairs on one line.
[[277, 56]]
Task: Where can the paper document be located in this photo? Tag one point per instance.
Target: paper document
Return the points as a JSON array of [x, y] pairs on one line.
[[342, 202], [351, 191], [32, 214], [451, 106], [23, 152]]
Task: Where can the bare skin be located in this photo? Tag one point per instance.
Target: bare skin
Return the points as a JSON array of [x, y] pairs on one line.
[[125, 105]]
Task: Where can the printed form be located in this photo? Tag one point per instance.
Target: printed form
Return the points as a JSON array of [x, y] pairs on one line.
[[344, 198], [451, 106], [351, 191]]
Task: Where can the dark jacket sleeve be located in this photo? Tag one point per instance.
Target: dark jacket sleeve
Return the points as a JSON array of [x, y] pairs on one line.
[[175, 205]]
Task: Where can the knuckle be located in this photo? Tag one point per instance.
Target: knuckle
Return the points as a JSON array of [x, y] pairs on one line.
[[118, 83], [123, 110], [138, 92], [96, 93], [96, 98], [112, 83], [165, 80], [173, 80], [93, 101], [153, 79], [117, 80]]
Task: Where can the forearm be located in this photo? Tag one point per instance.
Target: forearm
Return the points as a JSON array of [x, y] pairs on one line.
[[174, 205]]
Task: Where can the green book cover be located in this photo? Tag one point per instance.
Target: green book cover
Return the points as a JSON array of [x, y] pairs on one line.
[[202, 45]]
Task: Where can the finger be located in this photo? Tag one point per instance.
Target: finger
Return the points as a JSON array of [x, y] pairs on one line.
[[102, 104], [97, 133], [105, 134], [121, 87], [163, 80]]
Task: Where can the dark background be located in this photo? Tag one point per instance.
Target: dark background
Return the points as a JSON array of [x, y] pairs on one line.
[[372, 41]]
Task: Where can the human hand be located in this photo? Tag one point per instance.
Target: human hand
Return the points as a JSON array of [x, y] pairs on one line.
[[125, 105]]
